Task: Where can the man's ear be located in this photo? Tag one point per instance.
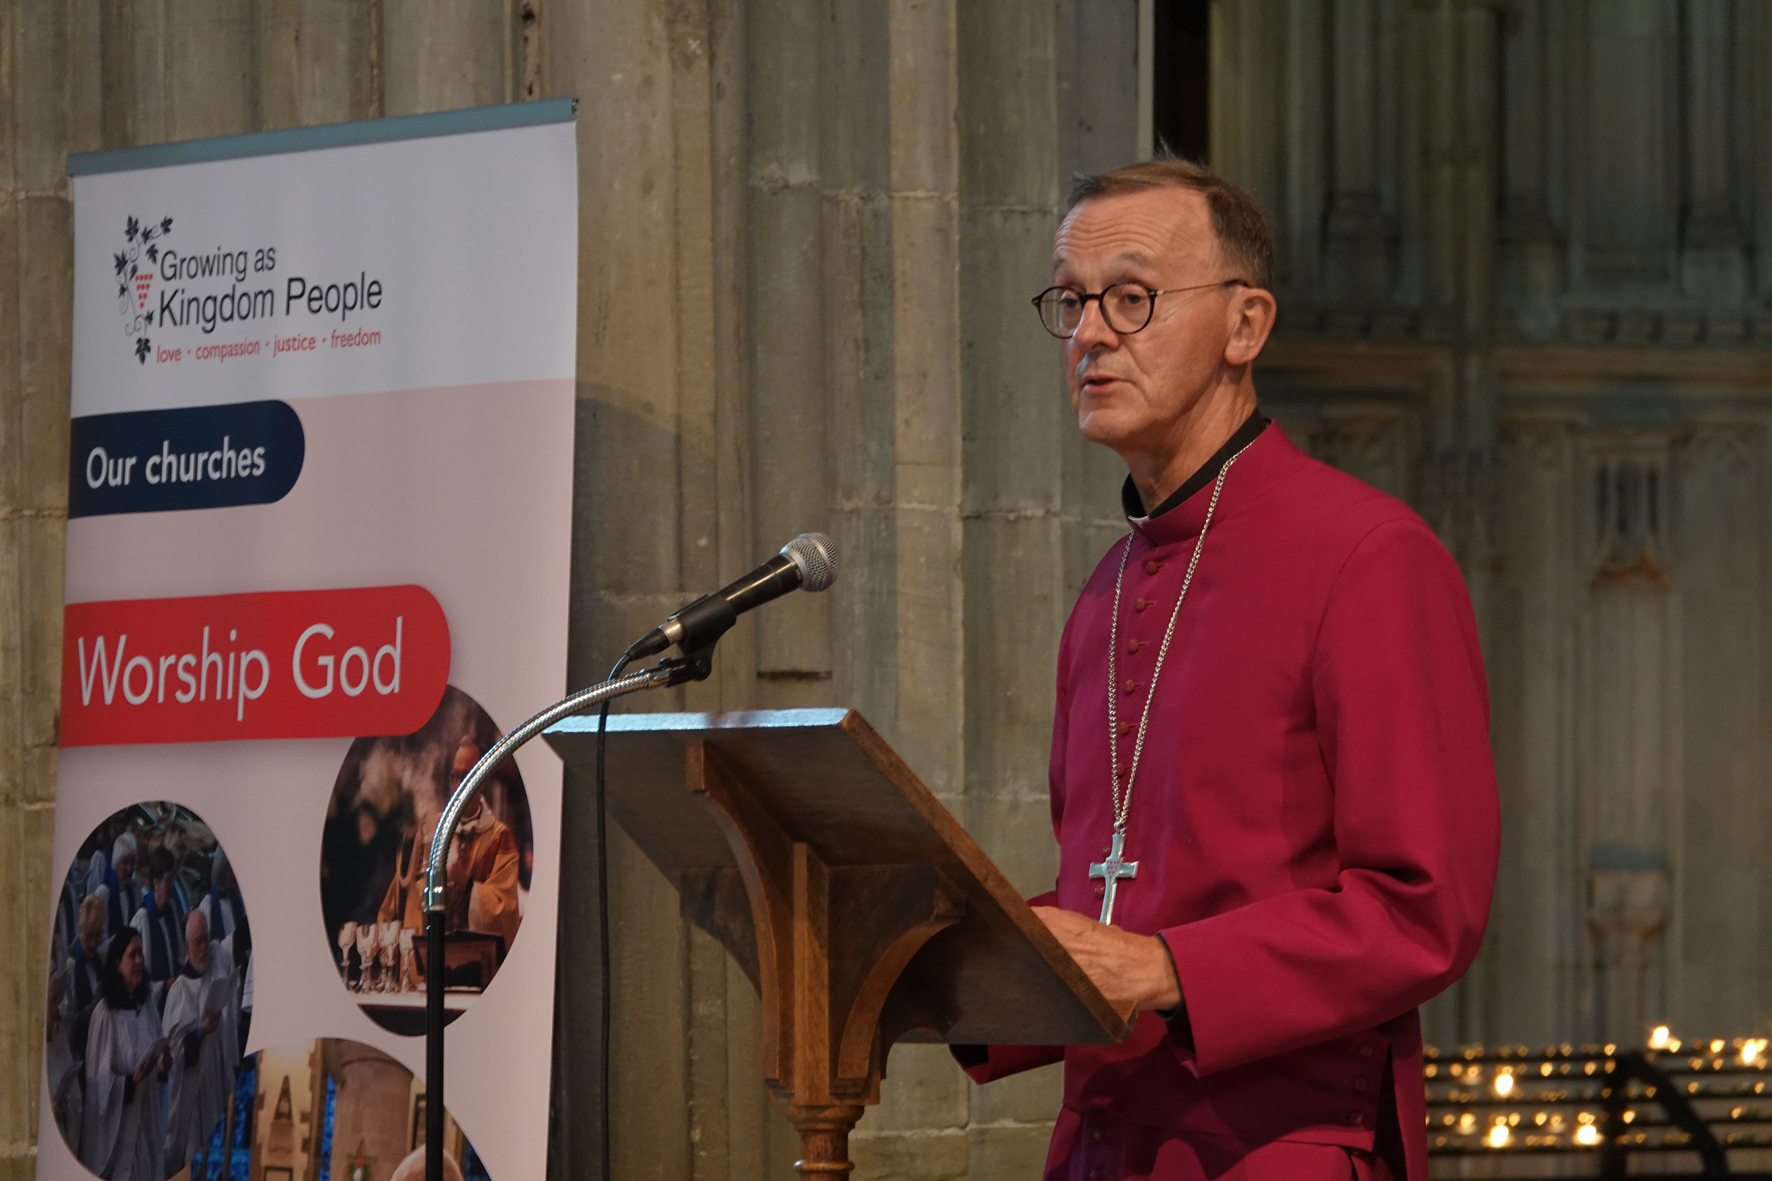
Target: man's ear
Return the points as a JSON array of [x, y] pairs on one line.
[[1251, 312]]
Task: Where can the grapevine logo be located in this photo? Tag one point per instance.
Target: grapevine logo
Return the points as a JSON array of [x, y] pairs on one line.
[[134, 280]]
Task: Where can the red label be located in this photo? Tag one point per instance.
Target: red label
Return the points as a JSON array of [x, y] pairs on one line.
[[281, 664]]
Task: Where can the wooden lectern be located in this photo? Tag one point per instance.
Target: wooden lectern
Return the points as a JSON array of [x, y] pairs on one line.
[[859, 908]]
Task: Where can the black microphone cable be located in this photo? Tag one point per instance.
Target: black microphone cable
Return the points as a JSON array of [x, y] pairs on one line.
[[605, 971], [809, 562]]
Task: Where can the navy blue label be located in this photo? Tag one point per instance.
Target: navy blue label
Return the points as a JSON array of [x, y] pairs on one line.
[[155, 461]]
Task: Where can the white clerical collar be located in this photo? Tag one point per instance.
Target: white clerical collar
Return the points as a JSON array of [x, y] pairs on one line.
[[1208, 472]]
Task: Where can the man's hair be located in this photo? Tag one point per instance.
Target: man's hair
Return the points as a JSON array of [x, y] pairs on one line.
[[92, 916], [161, 864], [1238, 220]]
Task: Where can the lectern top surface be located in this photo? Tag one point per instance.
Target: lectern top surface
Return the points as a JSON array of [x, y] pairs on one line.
[[823, 774], [825, 779], [738, 719]]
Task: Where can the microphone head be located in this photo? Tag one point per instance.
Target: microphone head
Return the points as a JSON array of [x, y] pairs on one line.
[[816, 556]]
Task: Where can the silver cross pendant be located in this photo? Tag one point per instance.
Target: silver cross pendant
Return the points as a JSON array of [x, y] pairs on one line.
[[1113, 871]]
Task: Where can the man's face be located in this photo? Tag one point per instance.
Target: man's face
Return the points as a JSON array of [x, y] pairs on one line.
[[197, 942], [1131, 392], [125, 867], [466, 755]]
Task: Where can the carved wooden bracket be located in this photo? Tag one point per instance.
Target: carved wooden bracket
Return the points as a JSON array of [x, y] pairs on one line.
[[825, 944]]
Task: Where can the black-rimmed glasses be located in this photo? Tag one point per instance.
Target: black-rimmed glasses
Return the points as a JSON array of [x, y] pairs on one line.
[[1126, 306]]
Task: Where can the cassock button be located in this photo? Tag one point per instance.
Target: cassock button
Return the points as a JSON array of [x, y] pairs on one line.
[[1151, 566], [1133, 645], [1121, 768], [1098, 1135], [1139, 604], [1131, 686], [1360, 1084], [1125, 728], [1355, 1118], [1093, 1175], [1101, 889], [1365, 1049]]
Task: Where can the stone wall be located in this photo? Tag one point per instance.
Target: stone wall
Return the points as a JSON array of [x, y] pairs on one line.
[[47, 105], [1524, 286]]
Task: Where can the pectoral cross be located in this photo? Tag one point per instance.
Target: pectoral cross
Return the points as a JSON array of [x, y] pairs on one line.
[[1112, 871]]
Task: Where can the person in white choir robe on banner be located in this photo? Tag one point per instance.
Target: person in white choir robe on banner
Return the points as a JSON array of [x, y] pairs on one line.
[[207, 1053], [158, 921], [177, 842], [118, 887], [123, 1134], [224, 911], [98, 866], [76, 988], [82, 971], [221, 907], [67, 912]]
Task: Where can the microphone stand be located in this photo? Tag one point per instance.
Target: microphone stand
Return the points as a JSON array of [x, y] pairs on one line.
[[693, 667]]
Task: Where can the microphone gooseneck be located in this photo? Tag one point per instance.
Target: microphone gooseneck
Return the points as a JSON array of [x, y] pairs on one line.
[[808, 562]]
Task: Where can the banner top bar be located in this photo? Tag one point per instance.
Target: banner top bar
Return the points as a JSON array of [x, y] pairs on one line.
[[329, 135]]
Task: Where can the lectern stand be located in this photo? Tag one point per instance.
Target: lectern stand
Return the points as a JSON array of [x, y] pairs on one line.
[[859, 908]]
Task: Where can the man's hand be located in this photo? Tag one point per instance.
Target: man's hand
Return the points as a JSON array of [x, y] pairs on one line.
[[1124, 966]]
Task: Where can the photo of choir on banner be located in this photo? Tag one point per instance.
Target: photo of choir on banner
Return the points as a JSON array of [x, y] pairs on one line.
[[150, 993]]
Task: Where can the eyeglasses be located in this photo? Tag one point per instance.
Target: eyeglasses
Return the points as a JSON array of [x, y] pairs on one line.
[[1127, 306]]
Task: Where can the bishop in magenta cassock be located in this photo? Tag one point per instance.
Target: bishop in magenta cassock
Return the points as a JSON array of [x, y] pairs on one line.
[[1271, 691]]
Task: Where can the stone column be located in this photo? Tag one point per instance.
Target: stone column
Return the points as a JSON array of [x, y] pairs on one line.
[[195, 69], [1753, 41], [1249, 99], [856, 276], [1358, 232], [1713, 265], [790, 419], [1628, 909], [439, 55], [661, 514], [927, 422], [922, 444], [1631, 644], [1536, 925], [50, 104], [1720, 941], [1627, 64], [1298, 220], [319, 62], [1531, 106]]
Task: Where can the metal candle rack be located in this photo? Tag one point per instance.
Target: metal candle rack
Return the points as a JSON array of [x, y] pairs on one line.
[[1661, 1104]]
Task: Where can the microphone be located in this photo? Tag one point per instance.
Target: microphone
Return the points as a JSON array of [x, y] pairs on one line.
[[809, 562]]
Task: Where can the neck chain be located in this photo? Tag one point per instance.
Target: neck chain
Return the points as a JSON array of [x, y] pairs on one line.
[[1115, 869]]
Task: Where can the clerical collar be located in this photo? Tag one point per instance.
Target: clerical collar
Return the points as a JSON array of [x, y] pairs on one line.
[[1133, 504]]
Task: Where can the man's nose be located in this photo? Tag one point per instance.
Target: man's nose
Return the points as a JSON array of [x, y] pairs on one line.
[[1093, 331]]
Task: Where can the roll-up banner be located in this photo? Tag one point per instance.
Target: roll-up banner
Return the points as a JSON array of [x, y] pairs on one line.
[[320, 477]]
